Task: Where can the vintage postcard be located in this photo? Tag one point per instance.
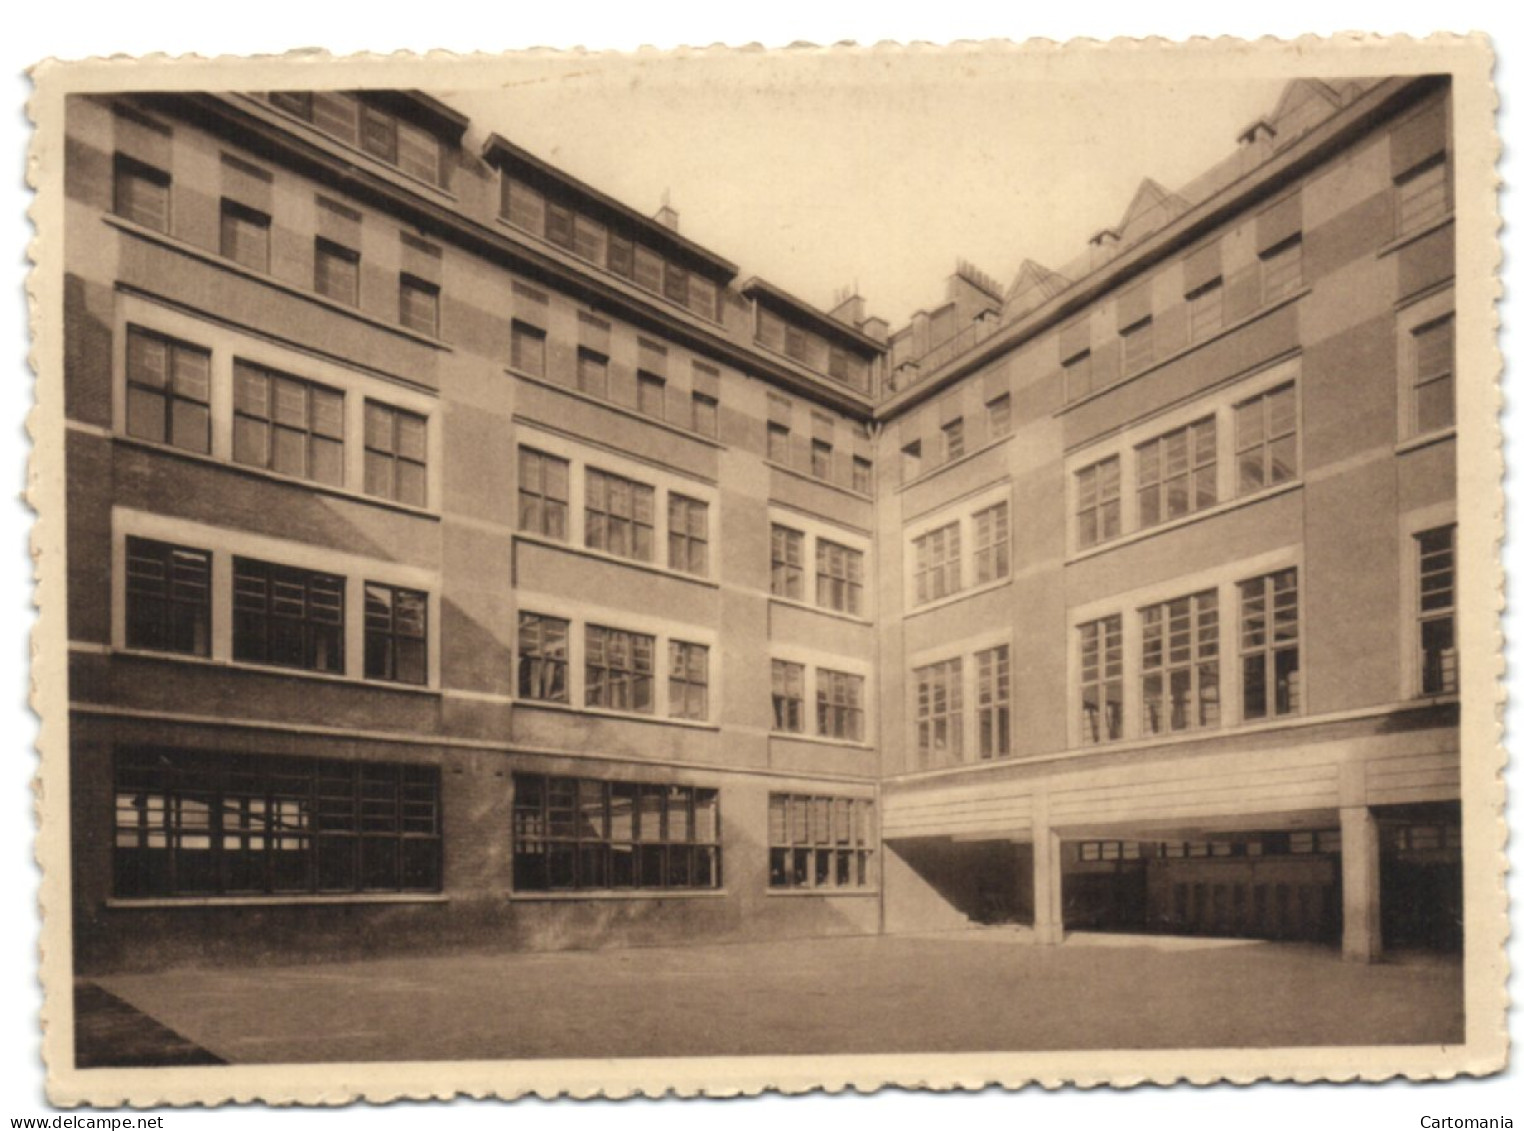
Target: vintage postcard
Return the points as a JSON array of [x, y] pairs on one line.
[[723, 570]]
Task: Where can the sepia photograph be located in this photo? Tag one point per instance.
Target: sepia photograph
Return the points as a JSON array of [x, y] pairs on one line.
[[768, 568]]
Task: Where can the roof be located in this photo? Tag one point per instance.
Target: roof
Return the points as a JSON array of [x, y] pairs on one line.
[[799, 311]]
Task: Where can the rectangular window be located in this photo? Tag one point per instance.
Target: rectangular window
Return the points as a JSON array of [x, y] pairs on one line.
[[777, 442], [703, 296], [418, 305], [140, 193], [1177, 473], [1205, 307], [910, 461], [1423, 195], [378, 133], [1098, 502], [190, 824], [287, 425], [838, 577], [420, 153], [396, 634], [939, 713], [820, 459], [862, 475], [706, 415], [952, 440], [938, 563], [788, 697], [245, 236], [787, 563], [619, 516], [169, 598], [522, 206], [819, 843], [543, 658], [168, 391], [675, 284], [1181, 687], [1266, 440], [687, 681], [648, 269], [526, 349], [1138, 346], [1433, 361], [999, 416], [583, 834], [839, 705], [1281, 268], [651, 395], [543, 490], [287, 617], [336, 272], [621, 669], [992, 543], [1100, 644], [1077, 376], [592, 373], [338, 113], [1439, 671], [621, 259], [396, 454], [589, 239], [1269, 635], [560, 225], [687, 534], [994, 705]]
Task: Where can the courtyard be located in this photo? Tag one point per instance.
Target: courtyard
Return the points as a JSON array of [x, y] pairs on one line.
[[977, 990]]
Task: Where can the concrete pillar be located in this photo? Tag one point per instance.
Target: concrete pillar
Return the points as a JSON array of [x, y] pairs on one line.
[[1360, 850], [1047, 887]]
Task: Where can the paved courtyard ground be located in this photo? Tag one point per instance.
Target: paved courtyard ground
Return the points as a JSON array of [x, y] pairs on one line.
[[988, 990]]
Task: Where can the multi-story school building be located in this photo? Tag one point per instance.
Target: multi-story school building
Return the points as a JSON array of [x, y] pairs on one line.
[[458, 557]]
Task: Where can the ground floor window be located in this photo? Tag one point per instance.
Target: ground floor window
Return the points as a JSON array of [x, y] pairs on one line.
[[819, 842], [193, 824], [584, 834]]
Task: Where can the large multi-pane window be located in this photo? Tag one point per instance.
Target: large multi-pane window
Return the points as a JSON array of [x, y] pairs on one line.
[[140, 193], [939, 712], [938, 563], [169, 598], [287, 425], [1100, 662], [993, 670], [168, 391], [838, 577], [287, 617], [787, 563], [621, 669], [1177, 473], [585, 834], [1180, 665], [1265, 429], [543, 490], [336, 272], [992, 543], [1433, 375], [244, 236], [396, 454], [1269, 645], [543, 658], [619, 516], [839, 705], [190, 824], [819, 843], [687, 680], [687, 534], [1438, 668], [1098, 502], [396, 634], [788, 696]]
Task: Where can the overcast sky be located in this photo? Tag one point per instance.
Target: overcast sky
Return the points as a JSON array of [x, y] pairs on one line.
[[817, 172]]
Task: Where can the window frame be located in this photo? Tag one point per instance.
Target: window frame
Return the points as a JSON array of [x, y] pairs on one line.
[[327, 251], [129, 171], [614, 678], [612, 521], [1262, 645], [396, 454], [312, 440], [178, 597], [838, 859], [1158, 622], [170, 392], [417, 288], [538, 661], [391, 638], [237, 220], [317, 637]]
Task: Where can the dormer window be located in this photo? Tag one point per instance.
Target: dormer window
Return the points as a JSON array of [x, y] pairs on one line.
[[374, 126]]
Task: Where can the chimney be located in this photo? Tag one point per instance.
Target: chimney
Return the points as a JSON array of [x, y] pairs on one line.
[[850, 307], [666, 215]]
